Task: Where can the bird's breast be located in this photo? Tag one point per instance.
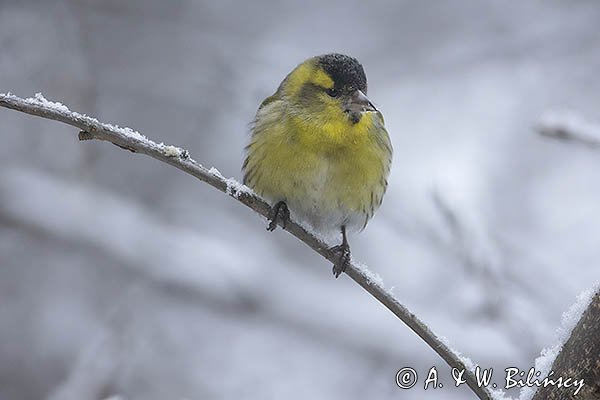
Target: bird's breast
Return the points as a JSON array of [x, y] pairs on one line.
[[330, 175]]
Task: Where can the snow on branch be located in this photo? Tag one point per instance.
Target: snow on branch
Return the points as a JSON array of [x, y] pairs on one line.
[[126, 138], [576, 355], [570, 127]]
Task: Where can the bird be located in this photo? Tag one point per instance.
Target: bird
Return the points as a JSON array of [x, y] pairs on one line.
[[319, 152]]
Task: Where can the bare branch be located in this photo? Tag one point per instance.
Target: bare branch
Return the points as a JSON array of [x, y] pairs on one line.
[[133, 141], [570, 127]]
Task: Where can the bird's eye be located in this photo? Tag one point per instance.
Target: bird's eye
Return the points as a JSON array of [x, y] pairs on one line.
[[333, 92]]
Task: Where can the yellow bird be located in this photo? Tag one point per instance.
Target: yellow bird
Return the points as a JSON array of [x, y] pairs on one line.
[[319, 150]]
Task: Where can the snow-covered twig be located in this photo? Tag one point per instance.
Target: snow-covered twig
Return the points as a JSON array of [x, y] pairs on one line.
[[91, 128], [570, 127]]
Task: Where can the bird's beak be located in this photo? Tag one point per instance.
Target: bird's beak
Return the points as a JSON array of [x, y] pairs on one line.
[[359, 102]]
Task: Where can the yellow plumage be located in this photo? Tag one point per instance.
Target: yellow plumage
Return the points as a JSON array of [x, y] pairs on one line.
[[314, 150]]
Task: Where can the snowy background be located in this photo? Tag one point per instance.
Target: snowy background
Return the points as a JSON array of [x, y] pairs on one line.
[[122, 276]]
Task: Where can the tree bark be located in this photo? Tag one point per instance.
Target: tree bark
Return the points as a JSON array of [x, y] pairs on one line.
[[579, 358]]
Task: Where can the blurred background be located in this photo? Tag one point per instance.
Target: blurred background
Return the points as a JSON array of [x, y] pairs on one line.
[[121, 276]]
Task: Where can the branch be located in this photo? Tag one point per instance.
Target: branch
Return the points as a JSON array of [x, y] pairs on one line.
[[570, 127], [90, 128], [579, 357]]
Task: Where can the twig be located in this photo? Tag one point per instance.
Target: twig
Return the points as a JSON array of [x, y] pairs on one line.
[[133, 141], [570, 127]]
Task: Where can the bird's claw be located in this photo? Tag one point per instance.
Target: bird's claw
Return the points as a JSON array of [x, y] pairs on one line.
[[343, 258], [281, 213]]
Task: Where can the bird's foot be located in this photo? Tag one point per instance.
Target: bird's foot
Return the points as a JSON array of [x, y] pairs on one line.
[[342, 253], [281, 213]]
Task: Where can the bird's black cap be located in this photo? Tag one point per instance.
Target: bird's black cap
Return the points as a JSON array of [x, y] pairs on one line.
[[345, 71]]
